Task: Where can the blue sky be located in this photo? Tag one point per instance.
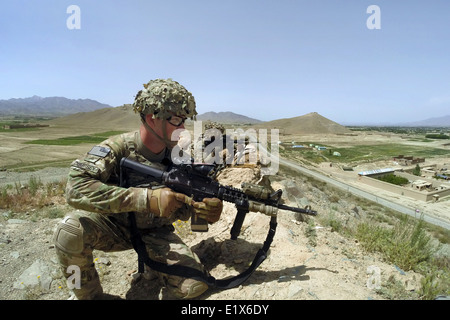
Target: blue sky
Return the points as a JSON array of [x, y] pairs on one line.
[[265, 59]]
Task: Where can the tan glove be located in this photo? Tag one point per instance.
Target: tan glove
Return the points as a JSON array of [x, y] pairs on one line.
[[209, 209], [164, 202]]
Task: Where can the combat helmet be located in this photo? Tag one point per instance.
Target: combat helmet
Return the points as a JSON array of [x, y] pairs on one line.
[[164, 98], [214, 125]]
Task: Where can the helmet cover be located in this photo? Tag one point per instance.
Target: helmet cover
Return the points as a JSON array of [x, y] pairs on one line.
[[164, 98]]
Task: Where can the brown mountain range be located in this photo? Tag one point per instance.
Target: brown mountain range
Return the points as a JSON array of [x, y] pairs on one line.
[[311, 123], [123, 118]]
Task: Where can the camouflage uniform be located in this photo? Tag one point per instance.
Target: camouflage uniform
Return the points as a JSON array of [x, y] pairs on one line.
[[102, 223]]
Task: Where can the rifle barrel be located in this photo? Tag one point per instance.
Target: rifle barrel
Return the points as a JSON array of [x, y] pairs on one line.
[[300, 210]]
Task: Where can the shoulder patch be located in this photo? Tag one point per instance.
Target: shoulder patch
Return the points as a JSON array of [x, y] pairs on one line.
[[100, 151], [85, 167]]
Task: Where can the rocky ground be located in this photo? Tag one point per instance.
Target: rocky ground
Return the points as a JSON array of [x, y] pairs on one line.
[[307, 260]]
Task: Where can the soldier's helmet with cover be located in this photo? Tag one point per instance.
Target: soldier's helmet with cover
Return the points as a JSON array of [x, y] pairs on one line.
[[164, 98], [214, 125]]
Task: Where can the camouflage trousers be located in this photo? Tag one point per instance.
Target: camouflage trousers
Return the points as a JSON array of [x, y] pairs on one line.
[[81, 232]]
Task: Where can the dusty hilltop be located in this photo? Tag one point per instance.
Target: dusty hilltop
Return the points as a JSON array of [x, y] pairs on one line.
[[311, 258], [306, 261]]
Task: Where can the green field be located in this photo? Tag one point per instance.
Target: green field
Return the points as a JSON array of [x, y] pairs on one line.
[[364, 153], [68, 141], [384, 151]]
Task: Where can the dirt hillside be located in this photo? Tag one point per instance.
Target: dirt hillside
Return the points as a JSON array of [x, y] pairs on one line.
[[311, 123], [119, 118], [306, 261]]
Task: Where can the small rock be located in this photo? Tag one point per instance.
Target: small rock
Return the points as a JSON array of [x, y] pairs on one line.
[[6, 214], [3, 240], [130, 272], [38, 274], [399, 270], [294, 289], [104, 260], [134, 276], [17, 221]]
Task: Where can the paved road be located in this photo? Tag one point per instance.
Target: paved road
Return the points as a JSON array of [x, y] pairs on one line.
[[365, 194]]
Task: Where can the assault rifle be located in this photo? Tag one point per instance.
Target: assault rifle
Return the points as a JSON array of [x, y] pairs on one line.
[[196, 181]]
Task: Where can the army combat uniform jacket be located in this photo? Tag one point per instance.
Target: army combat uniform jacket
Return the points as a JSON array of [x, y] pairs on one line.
[[93, 182]]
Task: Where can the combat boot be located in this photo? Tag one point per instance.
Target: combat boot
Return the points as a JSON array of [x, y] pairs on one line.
[[183, 288]]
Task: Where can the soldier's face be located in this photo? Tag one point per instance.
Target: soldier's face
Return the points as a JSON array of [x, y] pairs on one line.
[[165, 127]]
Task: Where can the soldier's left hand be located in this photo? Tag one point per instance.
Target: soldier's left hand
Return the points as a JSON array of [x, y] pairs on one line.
[[208, 209]]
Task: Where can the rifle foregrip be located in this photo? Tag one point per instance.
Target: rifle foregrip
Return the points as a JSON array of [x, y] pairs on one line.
[[237, 225]]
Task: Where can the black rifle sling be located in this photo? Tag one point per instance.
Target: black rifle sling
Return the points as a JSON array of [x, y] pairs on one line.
[[188, 272]]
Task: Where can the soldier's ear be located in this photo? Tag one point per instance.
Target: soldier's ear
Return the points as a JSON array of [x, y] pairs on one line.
[[149, 119]]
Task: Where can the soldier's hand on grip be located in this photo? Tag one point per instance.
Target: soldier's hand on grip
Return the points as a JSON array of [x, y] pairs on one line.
[[209, 209]]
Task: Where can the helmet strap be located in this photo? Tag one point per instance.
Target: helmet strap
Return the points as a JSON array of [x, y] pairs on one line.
[[169, 143]]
